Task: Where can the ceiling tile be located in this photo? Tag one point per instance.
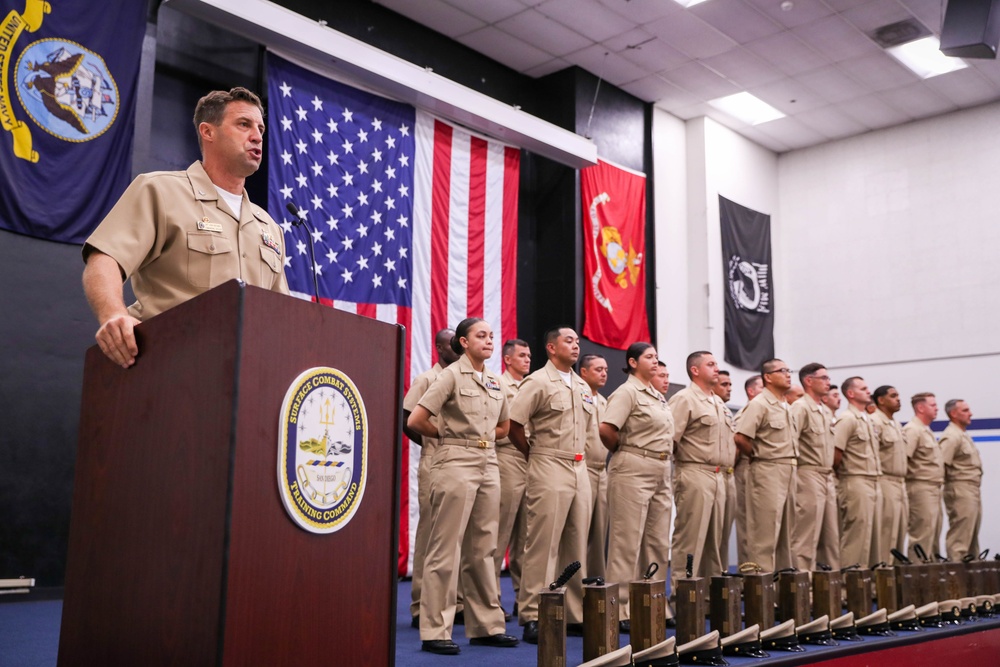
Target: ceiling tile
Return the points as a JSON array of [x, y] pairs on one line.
[[835, 38], [788, 53], [737, 19], [791, 132], [872, 15], [831, 122], [918, 100], [802, 11], [690, 35], [590, 19], [692, 111], [436, 15], [535, 28], [666, 95], [703, 82], [554, 65], [743, 68], [789, 96], [489, 11], [609, 66], [964, 88], [930, 12], [873, 112], [843, 5], [642, 11], [832, 84], [878, 71], [988, 68], [649, 52], [755, 135], [505, 49]]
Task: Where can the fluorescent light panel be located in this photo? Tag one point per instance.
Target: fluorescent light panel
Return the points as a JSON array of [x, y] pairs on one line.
[[746, 107], [689, 3], [924, 57]]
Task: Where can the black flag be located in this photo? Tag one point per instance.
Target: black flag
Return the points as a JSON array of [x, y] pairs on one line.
[[746, 263]]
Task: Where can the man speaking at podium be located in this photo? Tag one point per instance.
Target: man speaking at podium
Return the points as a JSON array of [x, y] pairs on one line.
[[178, 234]]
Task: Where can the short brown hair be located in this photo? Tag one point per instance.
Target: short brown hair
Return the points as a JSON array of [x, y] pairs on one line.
[[920, 398], [212, 107]]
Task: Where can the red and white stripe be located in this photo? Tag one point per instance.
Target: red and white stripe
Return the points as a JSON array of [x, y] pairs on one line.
[[464, 262]]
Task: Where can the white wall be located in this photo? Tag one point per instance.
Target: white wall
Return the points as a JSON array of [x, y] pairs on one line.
[[885, 249]]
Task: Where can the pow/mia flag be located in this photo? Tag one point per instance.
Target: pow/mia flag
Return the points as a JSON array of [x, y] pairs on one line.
[[746, 263]]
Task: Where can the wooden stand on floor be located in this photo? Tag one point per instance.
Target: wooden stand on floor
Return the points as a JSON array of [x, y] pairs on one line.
[[600, 620], [692, 605], [758, 600], [793, 597], [724, 605], [828, 592], [552, 628], [858, 584], [886, 591], [647, 600]]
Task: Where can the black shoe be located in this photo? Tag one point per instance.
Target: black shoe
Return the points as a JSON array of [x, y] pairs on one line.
[[531, 632], [415, 622], [459, 618], [499, 640], [574, 629], [440, 646], [671, 623], [624, 627], [513, 612]]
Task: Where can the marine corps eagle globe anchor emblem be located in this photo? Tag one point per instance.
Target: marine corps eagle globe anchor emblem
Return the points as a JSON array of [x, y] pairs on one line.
[[607, 242]]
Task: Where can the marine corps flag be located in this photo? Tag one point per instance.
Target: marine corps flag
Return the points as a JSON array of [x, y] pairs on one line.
[[746, 263], [614, 246], [68, 71]]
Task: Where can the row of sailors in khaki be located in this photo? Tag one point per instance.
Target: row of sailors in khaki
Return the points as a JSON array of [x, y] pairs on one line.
[[962, 479], [892, 483]]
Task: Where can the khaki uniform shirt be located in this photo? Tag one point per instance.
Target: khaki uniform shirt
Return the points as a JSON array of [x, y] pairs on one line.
[[420, 385], [175, 237], [642, 417], [766, 421], [510, 387], [729, 458], [467, 408], [700, 427], [961, 457], [596, 452], [926, 463], [891, 445], [854, 436], [812, 426], [557, 416]]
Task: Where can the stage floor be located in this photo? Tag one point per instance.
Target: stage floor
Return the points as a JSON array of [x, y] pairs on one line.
[[29, 637]]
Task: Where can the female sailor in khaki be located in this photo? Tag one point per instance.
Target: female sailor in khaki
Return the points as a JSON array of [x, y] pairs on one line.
[[471, 412]]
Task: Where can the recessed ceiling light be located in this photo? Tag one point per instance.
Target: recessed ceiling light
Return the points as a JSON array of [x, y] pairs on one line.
[[747, 108], [924, 57], [689, 3]]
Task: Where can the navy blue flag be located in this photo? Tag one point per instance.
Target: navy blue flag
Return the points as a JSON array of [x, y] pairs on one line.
[[68, 72]]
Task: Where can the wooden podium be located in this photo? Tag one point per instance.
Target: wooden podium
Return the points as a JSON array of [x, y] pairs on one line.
[[181, 551]]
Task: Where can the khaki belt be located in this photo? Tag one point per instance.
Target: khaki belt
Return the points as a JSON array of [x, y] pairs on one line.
[[705, 466], [599, 467], [557, 453], [479, 444], [788, 461], [661, 456], [812, 466], [899, 478]]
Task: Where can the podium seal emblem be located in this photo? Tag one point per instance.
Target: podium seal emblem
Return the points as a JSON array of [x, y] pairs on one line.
[[322, 450]]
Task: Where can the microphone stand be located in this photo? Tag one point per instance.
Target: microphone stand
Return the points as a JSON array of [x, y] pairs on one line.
[[300, 220]]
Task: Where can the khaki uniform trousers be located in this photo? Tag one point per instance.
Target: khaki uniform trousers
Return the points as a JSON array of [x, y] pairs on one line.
[[925, 517], [965, 513], [557, 508], [464, 506], [770, 497], [895, 511], [597, 537], [700, 499], [511, 531], [815, 533], [740, 480], [728, 518], [639, 506], [859, 500]]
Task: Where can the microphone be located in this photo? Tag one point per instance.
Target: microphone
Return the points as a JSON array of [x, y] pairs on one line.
[[300, 220]]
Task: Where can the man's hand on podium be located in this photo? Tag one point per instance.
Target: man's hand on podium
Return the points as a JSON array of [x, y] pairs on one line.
[[116, 337]]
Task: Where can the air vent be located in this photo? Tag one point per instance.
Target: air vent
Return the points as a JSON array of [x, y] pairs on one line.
[[898, 33]]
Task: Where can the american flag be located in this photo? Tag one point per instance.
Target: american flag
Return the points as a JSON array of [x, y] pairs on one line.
[[414, 220]]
